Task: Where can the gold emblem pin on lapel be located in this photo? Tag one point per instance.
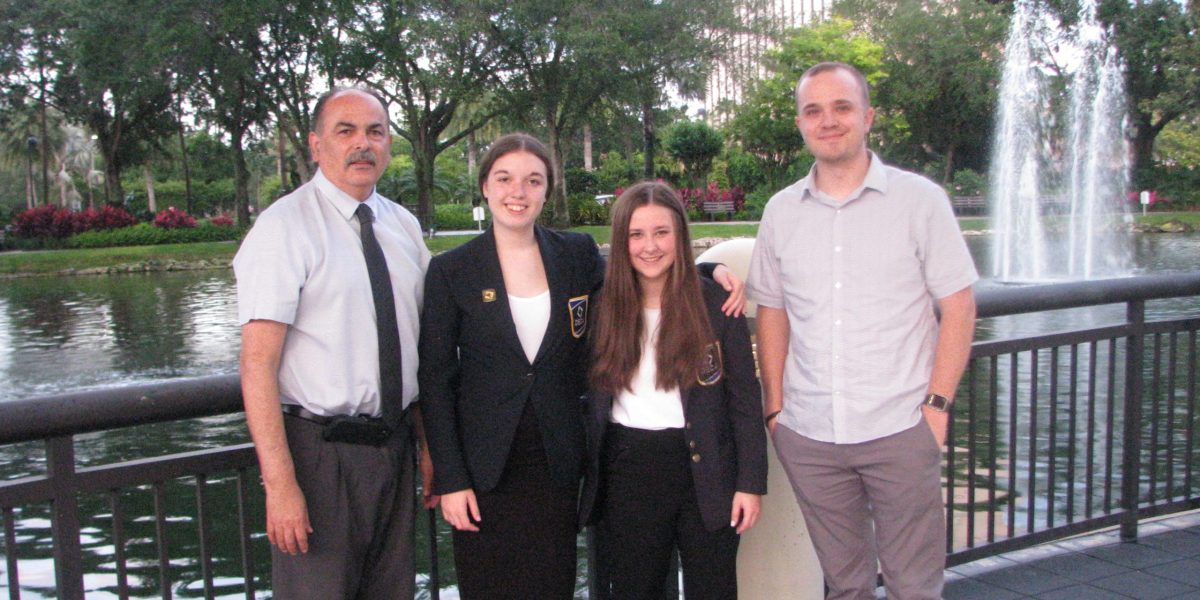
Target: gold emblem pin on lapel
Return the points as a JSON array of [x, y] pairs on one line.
[[489, 295]]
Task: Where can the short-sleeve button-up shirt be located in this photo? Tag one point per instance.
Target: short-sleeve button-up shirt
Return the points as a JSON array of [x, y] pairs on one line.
[[858, 279], [302, 264]]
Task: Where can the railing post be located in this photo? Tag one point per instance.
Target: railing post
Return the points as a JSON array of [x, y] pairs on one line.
[[1131, 455], [64, 517]]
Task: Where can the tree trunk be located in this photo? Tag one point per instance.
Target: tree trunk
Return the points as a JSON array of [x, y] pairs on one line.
[[587, 147], [241, 178], [187, 172], [423, 154], [281, 164], [113, 192], [648, 141], [560, 212], [948, 170], [472, 161], [1143, 154], [45, 129], [304, 164], [151, 202]]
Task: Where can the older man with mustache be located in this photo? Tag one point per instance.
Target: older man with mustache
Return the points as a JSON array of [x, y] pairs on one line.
[[330, 284]]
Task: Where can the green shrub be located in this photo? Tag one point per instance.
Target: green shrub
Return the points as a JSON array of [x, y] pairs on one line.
[[967, 183], [743, 169], [581, 180], [208, 197], [586, 211], [453, 216], [146, 234]]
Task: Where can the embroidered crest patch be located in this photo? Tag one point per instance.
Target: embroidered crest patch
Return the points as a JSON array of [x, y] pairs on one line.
[[578, 308], [712, 367]]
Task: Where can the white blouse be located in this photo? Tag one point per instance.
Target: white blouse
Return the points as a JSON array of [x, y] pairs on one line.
[[644, 406], [531, 317]]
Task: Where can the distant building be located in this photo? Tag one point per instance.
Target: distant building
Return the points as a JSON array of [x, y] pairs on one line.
[[742, 58]]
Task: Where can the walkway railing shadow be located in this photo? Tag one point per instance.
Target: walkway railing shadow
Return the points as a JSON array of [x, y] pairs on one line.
[[1055, 434]]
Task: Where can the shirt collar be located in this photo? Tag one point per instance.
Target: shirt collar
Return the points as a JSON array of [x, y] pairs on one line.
[[876, 179], [343, 202]]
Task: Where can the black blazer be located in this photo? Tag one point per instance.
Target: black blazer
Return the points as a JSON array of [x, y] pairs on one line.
[[723, 421], [474, 376]]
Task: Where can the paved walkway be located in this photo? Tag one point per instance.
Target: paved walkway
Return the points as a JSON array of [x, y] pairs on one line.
[[1163, 565]]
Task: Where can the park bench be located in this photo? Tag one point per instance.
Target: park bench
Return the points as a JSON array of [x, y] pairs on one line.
[[968, 205], [711, 208]]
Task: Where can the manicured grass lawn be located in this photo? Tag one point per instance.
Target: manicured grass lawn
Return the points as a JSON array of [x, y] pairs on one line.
[[56, 261], [1156, 218]]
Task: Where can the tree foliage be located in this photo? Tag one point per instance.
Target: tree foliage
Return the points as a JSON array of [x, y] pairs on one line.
[[942, 60], [765, 124], [695, 144]]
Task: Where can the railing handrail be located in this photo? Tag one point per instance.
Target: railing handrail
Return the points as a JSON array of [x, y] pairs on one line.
[[113, 408], [1019, 299], [74, 413]]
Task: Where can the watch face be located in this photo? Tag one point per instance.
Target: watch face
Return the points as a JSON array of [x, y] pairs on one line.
[[937, 402]]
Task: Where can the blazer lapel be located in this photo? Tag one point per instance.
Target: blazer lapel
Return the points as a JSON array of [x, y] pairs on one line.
[[558, 278], [493, 280]]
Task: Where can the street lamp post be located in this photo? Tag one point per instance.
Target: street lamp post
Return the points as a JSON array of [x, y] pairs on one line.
[[31, 196]]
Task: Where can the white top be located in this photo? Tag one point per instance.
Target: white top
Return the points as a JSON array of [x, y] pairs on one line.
[[302, 264], [644, 406], [531, 316], [858, 280]]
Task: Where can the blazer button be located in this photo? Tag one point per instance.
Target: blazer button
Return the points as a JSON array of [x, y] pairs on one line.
[[687, 425], [692, 445], [696, 457], [529, 375]]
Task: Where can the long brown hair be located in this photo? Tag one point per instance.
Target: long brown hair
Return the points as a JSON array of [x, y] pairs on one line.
[[684, 333]]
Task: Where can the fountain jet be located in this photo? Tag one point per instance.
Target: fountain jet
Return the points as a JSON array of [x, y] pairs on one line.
[[1060, 166]]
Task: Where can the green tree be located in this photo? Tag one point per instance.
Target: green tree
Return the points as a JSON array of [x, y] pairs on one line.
[[765, 123], [224, 45], [669, 45], [431, 59], [1159, 40], [115, 79], [694, 144], [558, 57], [942, 60]]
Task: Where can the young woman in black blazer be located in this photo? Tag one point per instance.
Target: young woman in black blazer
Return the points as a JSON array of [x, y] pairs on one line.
[[677, 447]]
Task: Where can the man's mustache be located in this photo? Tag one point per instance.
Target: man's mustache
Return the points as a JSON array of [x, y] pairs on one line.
[[361, 156]]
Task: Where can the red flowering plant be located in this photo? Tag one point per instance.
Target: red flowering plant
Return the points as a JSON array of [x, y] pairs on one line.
[[108, 217], [222, 220], [46, 222], [173, 218]]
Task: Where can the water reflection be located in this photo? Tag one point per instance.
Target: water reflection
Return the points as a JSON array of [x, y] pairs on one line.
[[63, 333]]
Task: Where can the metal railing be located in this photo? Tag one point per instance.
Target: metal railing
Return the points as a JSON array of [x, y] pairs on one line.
[[1062, 433], [1055, 434]]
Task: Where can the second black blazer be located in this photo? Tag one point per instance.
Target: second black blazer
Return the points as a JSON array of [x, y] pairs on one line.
[[474, 376], [723, 426]]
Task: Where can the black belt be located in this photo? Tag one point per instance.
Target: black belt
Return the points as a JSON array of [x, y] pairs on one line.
[[296, 410]]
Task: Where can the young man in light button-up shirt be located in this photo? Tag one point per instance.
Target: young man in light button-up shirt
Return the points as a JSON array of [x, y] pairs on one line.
[[858, 373]]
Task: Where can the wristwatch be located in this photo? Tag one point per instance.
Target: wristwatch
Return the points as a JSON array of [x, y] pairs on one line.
[[938, 403]]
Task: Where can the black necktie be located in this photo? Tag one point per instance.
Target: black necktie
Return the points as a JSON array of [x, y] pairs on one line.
[[391, 377]]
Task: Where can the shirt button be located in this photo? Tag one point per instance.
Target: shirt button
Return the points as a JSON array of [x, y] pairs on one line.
[[838, 322], [837, 248], [837, 285], [696, 457]]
